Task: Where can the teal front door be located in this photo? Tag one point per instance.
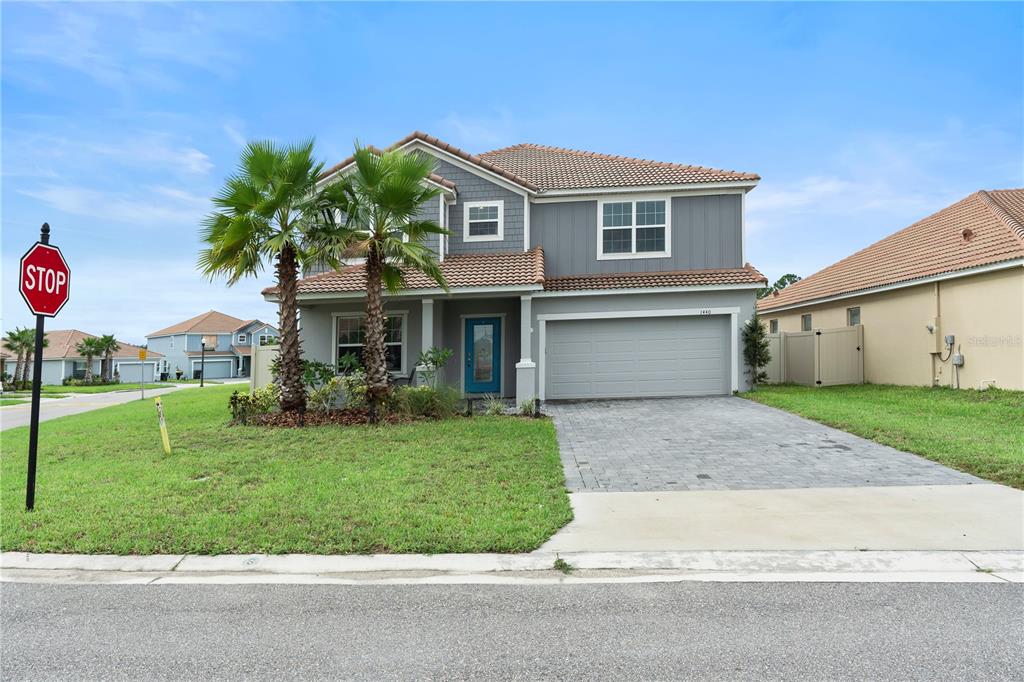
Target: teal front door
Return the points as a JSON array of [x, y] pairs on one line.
[[483, 355]]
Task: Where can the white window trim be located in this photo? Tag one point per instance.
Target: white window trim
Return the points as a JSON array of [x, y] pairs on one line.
[[734, 334], [810, 322], [241, 338], [500, 203], [667, 253], [263, 337], [404, 314], [849, 322]]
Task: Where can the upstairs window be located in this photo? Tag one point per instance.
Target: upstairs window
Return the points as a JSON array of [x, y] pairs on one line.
[[633, 229], [483, 221], [805, 323], [773, 326], [853, 316], [241, 339]]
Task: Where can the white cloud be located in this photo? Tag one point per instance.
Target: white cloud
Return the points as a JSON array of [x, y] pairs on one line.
[[482, 132], [151, 206], [234, 133]]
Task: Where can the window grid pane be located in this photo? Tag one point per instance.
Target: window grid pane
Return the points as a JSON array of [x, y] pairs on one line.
[[617, 241], [481, 228], [619, 214], [483, 213], [650, 239], [650, 213]]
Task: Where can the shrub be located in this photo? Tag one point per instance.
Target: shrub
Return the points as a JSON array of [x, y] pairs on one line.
[[353, 385], [97, 381], [246, 406], [526, 407], [755, 350], [427, 401], [494, 405], [433, 360], [325, 397]]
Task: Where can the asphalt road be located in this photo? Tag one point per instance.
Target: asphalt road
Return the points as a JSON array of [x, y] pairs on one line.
[[729, 631]]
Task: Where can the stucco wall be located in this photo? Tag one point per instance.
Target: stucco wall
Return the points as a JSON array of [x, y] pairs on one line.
[[985, 312]]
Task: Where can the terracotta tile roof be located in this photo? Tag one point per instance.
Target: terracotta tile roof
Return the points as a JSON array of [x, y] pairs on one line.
[[682, 278], [451, 149], [551, 168], [242, 350], [62, 344], [984, 228], [516, 268], [211, 322]]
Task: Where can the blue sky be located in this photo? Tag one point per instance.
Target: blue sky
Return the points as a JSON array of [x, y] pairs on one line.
[[119, 121]]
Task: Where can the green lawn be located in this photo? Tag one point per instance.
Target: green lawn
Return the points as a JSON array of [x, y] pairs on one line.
[[981, 432], [4, 402], [97, 389], [485, 484]]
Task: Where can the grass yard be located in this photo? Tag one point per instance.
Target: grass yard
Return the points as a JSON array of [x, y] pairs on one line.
[[980, 432], [485, 484], [4, 402], [46, 390]]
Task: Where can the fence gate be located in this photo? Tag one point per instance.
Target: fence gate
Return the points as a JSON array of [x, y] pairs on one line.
[[259, 368], [822, 357]]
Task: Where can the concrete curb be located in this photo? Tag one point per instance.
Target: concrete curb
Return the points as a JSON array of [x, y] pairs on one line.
[[866, 566]]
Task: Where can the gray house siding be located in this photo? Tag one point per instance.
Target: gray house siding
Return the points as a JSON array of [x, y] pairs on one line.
[[706, 233], [472, 187]]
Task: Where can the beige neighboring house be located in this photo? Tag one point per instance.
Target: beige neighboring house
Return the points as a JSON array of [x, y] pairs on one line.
[[959, 273], [62, 361]]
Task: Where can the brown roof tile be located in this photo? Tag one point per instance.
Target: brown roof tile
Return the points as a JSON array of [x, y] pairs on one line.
[[551, 168], [62, 342], [451, 149], [211, 322], [984, 228], [629, 280], [516, 268]]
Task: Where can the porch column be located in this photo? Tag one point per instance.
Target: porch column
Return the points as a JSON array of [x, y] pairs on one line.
[[426, 333], [526, 369]]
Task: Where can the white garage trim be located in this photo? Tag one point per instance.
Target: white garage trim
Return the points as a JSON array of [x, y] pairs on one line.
[[732, 312], [231, 373], [117, 366]]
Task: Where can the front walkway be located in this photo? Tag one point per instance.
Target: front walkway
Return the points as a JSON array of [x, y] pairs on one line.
[[724, 443]]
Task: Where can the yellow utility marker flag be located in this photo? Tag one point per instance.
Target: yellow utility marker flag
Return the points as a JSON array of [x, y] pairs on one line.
[[163, 426]]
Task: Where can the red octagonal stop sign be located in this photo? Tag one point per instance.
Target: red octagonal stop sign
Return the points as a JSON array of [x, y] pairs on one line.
[[45, 279]]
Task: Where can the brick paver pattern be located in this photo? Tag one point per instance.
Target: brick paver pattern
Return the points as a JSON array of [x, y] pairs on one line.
[[724, 443]]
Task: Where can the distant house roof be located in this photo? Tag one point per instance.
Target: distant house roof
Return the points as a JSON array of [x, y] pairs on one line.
[[211, 322], [61, 346], [984, 228], [683, 278], [540, 168], [516, 268]]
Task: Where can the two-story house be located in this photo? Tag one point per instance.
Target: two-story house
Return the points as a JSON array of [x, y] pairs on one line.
[[228, 351], [572, 275]]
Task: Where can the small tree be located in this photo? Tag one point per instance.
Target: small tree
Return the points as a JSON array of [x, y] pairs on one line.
[[109, 345], [89, 348], [755, 350]]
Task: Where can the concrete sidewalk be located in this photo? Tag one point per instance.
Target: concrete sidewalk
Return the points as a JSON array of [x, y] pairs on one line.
[[941, 517], [536, 567]]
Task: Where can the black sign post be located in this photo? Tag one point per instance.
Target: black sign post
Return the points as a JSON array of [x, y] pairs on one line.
[[45, 284]]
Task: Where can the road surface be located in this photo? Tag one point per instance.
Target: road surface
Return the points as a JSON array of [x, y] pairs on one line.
[[727, 631]]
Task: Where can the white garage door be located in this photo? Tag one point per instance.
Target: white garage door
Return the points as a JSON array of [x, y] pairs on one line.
[[130, 372], [637, 357]]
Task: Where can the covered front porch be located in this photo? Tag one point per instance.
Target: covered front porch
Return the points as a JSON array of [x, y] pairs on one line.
[[489, 335]]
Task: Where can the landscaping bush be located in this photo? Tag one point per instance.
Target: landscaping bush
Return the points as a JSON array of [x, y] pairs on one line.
[[246, 407], [494, 406], [97, 381], [433, 362], [426, 401], [325, 397], [353, 385], [527, 407]]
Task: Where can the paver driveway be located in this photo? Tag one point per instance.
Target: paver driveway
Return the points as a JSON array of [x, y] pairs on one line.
[[722, 444]]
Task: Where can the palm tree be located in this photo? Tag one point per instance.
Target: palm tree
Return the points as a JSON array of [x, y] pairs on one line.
[[88, 348], [108, 345], [270, 209], [29, 342], [14, 342], [379, 201]]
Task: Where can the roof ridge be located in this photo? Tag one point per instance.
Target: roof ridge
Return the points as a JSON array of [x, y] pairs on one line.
[[619, 157], [702, 271], [1008, 220]]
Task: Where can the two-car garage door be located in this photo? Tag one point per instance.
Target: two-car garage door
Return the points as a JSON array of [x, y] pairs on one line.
[[637, 357]]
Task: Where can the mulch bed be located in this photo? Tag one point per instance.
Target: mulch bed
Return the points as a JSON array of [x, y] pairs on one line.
[[344, 417]]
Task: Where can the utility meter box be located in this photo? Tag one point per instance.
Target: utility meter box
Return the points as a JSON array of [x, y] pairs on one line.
[[958, 359]]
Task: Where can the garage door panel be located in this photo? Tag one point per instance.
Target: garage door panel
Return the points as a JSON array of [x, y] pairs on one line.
[[637, 357]]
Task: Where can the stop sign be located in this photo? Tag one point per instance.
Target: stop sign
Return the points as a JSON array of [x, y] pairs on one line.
[[45, 279]]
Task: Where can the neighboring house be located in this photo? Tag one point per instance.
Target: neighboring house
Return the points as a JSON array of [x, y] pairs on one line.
[[227, 355], [61, 361], [571, 274], [959, 273]]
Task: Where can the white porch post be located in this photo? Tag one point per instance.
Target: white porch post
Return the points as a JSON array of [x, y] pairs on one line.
[[526, 369], [426, 332]]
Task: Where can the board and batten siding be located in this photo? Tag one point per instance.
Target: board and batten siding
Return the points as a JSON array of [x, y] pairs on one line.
[[472, 187], [707, 232]]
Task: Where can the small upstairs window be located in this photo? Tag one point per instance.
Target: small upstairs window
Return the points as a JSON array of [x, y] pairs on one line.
[[773, 326], [853, 316], [241, 339], [805, 322], [483, 221]]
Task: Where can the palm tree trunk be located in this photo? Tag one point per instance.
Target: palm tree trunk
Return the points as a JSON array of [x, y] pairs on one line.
[[293, 393], [88, 369], [17, 367], [373, 344], [24, 367]]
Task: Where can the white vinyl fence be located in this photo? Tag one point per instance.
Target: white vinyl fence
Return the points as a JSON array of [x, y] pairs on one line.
[[262, 357], [821, 357]]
